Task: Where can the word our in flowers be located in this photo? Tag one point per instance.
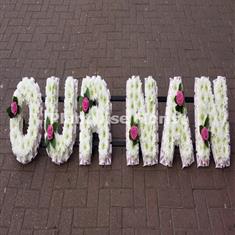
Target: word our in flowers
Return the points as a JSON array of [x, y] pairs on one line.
[[211, 121]]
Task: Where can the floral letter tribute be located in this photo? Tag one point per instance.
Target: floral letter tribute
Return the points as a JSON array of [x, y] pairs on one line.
[[176, 129], [141, 121], [95, 112], [60, 146], [211, 122], [25, 146]]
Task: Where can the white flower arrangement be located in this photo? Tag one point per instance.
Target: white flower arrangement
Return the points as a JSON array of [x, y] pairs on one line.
[[176, 131], [95, 117], [60, 146], [211, 122], [141, 121], [25, 146]]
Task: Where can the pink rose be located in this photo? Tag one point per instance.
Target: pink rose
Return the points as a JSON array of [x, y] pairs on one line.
[[180, 98], [205, 133], [85, 104], [50, 132], [14, 108], [134, 132]]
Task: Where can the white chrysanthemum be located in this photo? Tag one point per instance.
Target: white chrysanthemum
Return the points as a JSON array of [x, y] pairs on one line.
[[25, 146], [215, 107], [65, 141], [97, 120], [176, 131], [144, 111]]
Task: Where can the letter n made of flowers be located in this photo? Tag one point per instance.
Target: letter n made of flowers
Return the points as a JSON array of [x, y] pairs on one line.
[[95, 112], [176, 131], [211, 122], [60, 146], [141, 121]]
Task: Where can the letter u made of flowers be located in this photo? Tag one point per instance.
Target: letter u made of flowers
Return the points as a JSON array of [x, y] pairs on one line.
[[211, 122], [25, 146], [176, 130], [95, 117], [141, 121], [60, 146]]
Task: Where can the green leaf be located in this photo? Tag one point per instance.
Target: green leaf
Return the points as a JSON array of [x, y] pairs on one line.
[[53, 142], [132, 120], [87, 93], [15, 99], [8, 110], [91, 103], [207, 122], [55, 126], [175, 100], [10, 114], [135, 142], [179, 109], [80, 98], [47, 122], [200, 128], [180, 87], [207, 143]]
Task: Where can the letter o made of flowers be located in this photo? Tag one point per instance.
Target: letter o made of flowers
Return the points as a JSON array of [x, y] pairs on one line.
[[24, 146]]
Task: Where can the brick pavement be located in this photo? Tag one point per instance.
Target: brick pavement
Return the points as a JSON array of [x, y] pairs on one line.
[[116, 39]]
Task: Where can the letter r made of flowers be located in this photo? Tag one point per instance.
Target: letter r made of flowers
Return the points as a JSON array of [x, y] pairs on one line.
[[95, 117]]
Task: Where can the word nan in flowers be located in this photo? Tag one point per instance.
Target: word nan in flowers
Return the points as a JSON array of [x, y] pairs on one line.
[[95, 108]]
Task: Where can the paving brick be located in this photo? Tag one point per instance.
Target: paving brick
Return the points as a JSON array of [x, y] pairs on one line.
[[27, 199], [147, 232], [203, 179], [134, 217], [66, 221], [184, 218], [139, 186], [217, 198], [201, 209], [110, 179], [85, 217], [93, 189], [97, 231], [152, 208], [103, 208], [121, 197], [8, 206], [35, 218], [169, 197], [166, 219], [55, 209], [115, 217], [74, 198], [156, 179], [17, 221]]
